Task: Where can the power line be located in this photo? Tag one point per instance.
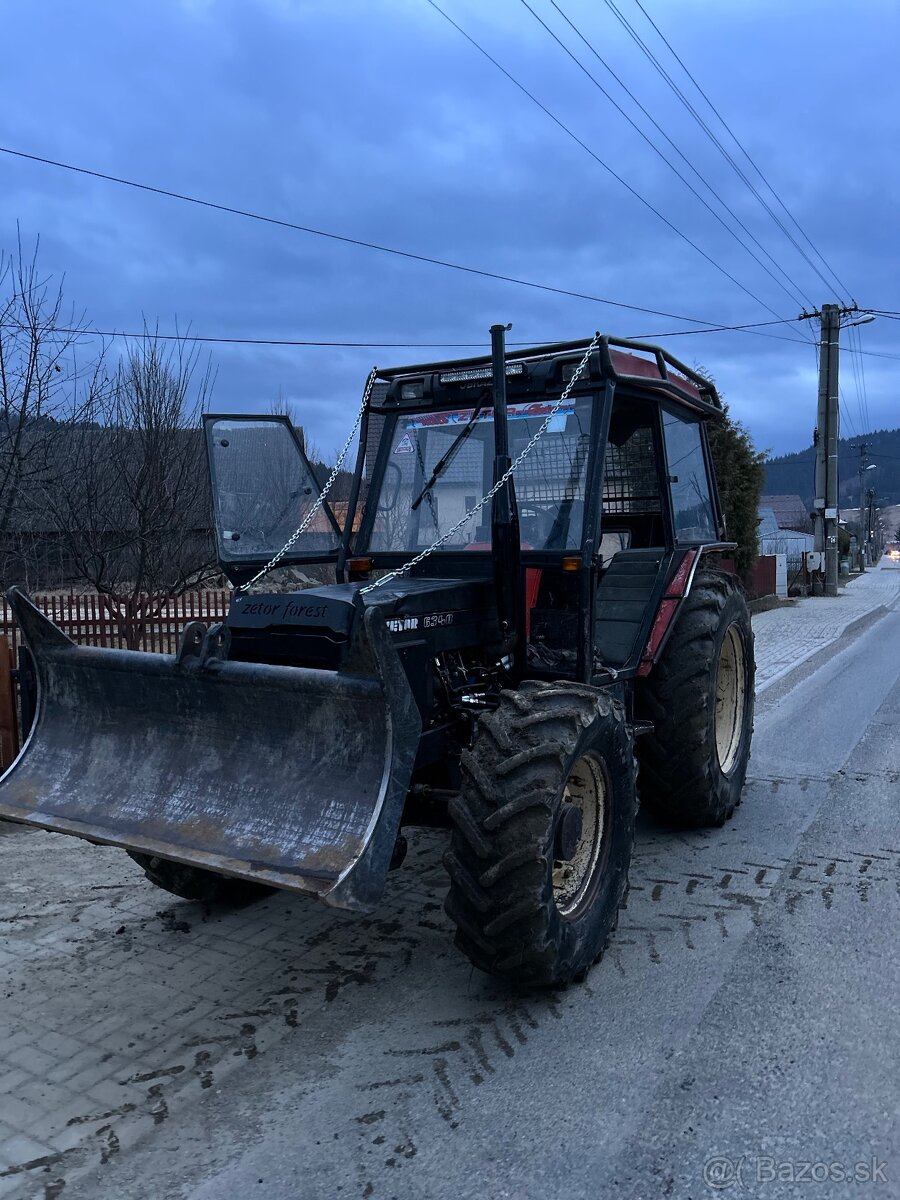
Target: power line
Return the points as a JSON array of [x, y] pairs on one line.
[[856, 362], [648, 53], [596, 157], [797, 295], [867, 353], [862, 374], [751, 328], [845, 412], [154, 335], [854, 366], [338, 237], [854, 310], [843, 409], [743, 150], [711, 326]]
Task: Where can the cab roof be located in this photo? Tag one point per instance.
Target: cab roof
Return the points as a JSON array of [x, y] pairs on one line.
[[543, 369]]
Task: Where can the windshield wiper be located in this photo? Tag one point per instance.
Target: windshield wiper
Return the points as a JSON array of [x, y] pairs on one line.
[[444, 462]]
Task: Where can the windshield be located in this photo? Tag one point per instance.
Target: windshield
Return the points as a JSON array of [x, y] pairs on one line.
[[262, 490], [434, 476]]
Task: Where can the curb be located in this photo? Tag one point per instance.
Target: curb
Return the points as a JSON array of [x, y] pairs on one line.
[[855, 627]]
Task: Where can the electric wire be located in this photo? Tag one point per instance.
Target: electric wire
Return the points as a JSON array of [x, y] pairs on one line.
[[862, 372], [744, 151], [750, 327], [845, 412], [596, 157], [857, 360], [648, 53], [797, 295], [154, 335], [854, 367], [854, 346], [344, 238]]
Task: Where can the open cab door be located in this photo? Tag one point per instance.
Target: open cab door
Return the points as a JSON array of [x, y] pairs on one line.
[[263, 487]]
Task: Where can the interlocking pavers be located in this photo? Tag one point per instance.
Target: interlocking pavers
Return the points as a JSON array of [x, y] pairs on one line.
[[104, 1031], [788, 637]]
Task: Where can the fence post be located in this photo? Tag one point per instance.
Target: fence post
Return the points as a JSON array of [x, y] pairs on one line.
[[9, 725]]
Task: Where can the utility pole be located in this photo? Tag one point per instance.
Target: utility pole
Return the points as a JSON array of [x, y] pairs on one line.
[[826, 505], [861, 548], [828, 435], [870, 526]]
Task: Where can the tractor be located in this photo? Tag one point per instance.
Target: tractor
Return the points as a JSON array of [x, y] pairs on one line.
[[533, 621]]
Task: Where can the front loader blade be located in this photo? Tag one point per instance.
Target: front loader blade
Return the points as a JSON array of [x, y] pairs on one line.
[[281, 775]]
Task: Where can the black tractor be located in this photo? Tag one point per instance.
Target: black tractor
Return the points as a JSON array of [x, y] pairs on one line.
[[534, 620]]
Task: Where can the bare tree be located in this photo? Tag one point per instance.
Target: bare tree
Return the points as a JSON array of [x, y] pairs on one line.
[[282, 407], [134, 509], [42, 385]]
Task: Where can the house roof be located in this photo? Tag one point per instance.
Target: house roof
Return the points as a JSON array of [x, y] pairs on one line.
[[790, 512]]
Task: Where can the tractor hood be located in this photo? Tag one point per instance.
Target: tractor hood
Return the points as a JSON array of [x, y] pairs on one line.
[[315, 627]]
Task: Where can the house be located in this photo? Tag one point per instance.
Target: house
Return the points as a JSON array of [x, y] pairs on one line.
[[789, 511], [778, 538]]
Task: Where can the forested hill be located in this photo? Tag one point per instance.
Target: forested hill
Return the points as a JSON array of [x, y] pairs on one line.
[[794, 474]]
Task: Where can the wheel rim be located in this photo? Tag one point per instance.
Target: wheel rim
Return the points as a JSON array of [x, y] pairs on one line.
[[731, 686], [587, 788]]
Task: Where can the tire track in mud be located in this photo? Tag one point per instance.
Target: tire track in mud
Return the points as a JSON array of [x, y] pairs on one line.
[[672, 907], [262, 979], [479, 1046], [177, 1045]]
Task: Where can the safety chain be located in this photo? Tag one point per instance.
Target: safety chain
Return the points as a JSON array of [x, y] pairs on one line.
[[520, 458], [304, 524]]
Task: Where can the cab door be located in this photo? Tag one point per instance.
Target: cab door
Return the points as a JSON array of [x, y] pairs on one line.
[[263, 488]]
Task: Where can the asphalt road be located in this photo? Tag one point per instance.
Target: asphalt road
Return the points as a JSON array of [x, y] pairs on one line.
[[740, 1036]]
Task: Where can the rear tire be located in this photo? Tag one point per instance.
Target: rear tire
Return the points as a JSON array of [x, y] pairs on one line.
[[193, 883], [700, 699], [522, 913]]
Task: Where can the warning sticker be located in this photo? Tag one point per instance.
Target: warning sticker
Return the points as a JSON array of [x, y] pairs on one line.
[[405, 445]]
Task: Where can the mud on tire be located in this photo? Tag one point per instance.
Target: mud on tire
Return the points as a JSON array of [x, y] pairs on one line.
[[193, 883], [546, 749], [700, 700]]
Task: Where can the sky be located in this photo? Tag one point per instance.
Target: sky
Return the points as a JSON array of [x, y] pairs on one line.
[[380, 121]]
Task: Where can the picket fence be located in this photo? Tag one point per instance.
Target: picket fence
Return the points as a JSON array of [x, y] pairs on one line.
[[85, 618]]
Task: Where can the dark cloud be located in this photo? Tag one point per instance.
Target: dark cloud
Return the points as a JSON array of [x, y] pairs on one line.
[[379, 121]]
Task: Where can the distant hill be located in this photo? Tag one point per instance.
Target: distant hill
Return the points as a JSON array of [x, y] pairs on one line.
[[794, 474]]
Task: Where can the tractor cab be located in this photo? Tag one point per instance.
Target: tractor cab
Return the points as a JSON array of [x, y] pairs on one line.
[[612, 488]]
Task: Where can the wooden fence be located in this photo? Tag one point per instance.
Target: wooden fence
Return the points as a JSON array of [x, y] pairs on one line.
[[86, 619]]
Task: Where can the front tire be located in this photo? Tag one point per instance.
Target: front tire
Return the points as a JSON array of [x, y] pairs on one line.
[[194, 883], [543, 834], [700, 699]]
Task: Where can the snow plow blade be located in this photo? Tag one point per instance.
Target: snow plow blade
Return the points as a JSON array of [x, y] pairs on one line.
[[286, 776]]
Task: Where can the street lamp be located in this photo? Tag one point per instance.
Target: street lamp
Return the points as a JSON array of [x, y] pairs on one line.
[[861, 321]]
